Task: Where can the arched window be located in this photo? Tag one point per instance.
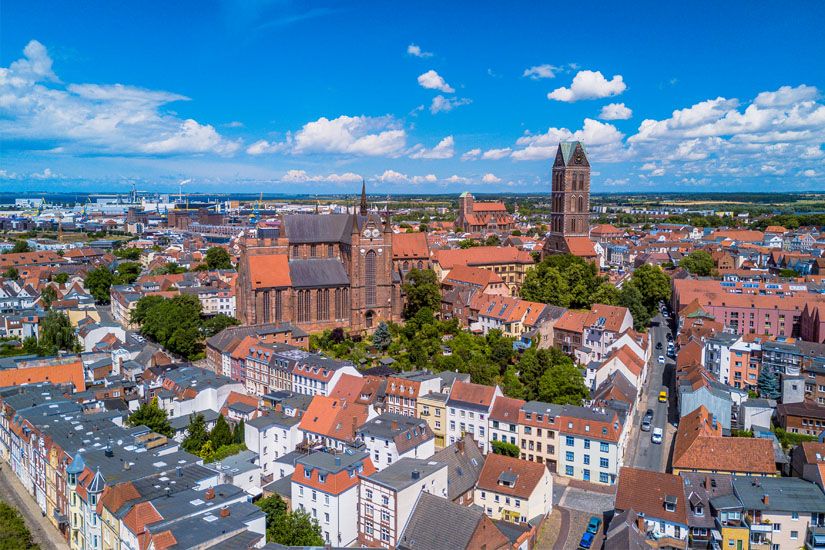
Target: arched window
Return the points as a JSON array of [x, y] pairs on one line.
[[345, 309], [307, 306], [369, 278], [338, 307], [326, 304], [319, 305], [368, 319], [581, 203], [406, 266], [420, 264]]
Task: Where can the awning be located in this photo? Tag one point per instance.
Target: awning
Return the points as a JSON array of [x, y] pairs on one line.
[[60, 518], [254, 491]]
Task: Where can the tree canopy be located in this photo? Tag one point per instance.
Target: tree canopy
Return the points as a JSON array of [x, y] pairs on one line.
[[153, 417], [98, 282], [56, 332], [175, 323], [289, 528], [14, 535], [562, 280], [698, 262], [422, 291], [218, 258], [196, 434]]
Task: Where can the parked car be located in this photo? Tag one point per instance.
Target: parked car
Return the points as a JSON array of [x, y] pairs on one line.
[[645, 425], [663, 396], [661, 358], [587, 541], [656, 436], [649, 414], [658, 345], [593, 526]]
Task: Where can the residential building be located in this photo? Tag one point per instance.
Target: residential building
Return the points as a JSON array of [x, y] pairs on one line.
[[464, 462], [468, 411], [387, 498], [656, 497], [504, 420], [404, 389], [389, 437], [432, 408], [272, 436], [333, 422], [801, 418], [515, 490], [317, 375], [325, 486]]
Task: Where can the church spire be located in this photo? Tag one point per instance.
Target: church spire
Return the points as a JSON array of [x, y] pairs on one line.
[[363, 197]]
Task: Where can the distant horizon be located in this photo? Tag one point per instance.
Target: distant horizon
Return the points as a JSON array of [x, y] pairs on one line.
[[422, 98]]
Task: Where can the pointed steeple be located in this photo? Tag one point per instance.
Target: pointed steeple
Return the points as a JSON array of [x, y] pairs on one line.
[[363, 197], [388, 224], [316, 203]]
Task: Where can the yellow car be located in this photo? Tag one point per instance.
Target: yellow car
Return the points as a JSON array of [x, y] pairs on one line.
[[663, 397]]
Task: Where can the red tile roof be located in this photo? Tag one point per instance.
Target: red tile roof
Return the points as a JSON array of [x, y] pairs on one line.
[[333, 418], [410, 245], [476, 394], [645, 491], [482, 255], [59, 373], [529, 475], [269, 271]]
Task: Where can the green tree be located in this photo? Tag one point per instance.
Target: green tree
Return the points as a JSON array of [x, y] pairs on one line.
[[287, 527], [144, 306], [382, 338], [98, 282], [14, 535], [56, 332], [238, 433], [20, 246], [631, 298], [468, 243], [221, 434], [791, 273], [12, 273], [207, 452], [653, 284], [511, 385], [128, 272], [545, 285], [606, 294], [492, 240], [562, 384], [61, 278], [153, 417], [768, 384], [505, 448], [196, 434], [422, 291], [516, 233], [48, 296], [128, 253], [218, 323], [698, 262], [174, 323], [218, 258]]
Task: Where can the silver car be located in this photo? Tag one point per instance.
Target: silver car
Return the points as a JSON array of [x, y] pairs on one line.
[[656, 436]]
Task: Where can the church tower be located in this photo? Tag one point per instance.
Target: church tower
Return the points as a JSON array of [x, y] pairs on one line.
[[364, 210], [570, 199]]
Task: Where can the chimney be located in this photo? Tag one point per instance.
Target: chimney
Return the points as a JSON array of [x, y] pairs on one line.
[[640, 524], [416, 474], [178, 472], [127, 465], [337, 460], [766, 499], [707, 483], [210, 494], [394, 425], [459, 446], [225, 512]]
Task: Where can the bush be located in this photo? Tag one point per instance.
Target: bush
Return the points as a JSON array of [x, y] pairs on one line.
[[504, 448]]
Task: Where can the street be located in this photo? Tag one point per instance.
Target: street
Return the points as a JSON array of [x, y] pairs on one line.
[[13, 493], [643, 453]]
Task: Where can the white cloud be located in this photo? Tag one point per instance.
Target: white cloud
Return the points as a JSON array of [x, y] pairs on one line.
[[596, 135], [457, 179], [444, 150], [391, 176], [412, 49], [615, 111], [810, 173], [234, 124], [541, 71], [95, 119], [472, 154], [433, 81], [786, 96], [444, 104], [658, 172], [772, 170], [490, 178], [589, 85], [496, 154], [648, 166], [300, 176], [362, 135]]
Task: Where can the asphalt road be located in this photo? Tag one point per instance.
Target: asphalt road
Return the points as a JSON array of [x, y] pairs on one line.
[[644, 453]]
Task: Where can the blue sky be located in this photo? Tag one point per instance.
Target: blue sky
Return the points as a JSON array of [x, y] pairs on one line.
[[438, 97]]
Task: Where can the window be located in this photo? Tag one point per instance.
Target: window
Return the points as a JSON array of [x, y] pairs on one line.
[[794, 535], [603, 463], [322, 478], [385, 516], [385, 534], [777, 527], [603, 478], [586, 460], [699, 510], [483, 495], [367, 528], [569, 456], [569, 441], [385, 500], [670, 506], [604, 447], [586, 443], [795, 516], [326, 517], [370, 277], [568, 470], [330, 251], [586, 475]]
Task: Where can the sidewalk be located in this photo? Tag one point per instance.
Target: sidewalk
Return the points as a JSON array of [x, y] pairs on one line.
[[43, 532]]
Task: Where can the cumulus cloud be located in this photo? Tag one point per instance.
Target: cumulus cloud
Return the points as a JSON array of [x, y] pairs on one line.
[[615, 111], [262, 147], [444, 104], [444, 150], [496, 154], [786, 96], [809, 173], [433, 81], [415, 50], [490, 178], [300, 176], [361, 135], [458, 179], [96, 119], [541, 71], [391, 176], [234, 124], [472, 154], [589, 85], [543, 146]]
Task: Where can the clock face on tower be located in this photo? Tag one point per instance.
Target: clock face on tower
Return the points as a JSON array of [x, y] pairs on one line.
[[578, 159]]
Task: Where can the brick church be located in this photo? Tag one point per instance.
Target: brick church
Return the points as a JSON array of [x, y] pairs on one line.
[[570, 204], [324, 271], [482, 216]]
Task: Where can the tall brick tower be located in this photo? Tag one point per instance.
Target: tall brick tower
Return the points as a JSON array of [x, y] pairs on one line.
[[570, 217]]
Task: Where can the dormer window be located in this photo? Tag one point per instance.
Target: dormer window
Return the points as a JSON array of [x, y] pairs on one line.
[[670, 503], [699, 510], [322, 478]]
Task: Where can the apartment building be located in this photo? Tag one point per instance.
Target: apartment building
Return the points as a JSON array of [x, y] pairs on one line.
[[272, 436], [404, 389], [432, 408], [468, 411], [514, 490], [387, 498], [325, 486], [389, 437], [317, 375], [504, 420]]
